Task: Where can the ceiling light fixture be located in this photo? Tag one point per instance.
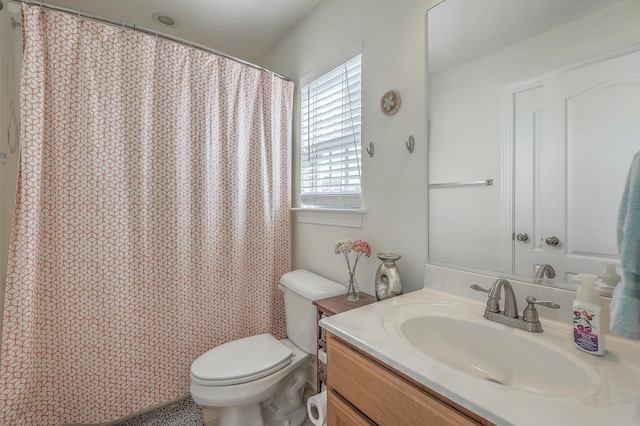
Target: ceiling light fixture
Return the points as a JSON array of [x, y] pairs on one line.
[[164, 19]]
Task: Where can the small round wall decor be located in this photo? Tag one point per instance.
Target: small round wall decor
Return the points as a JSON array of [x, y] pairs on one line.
[[390, 102]]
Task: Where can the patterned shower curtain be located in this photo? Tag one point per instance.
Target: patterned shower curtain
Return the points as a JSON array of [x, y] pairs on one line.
[[151, 223]]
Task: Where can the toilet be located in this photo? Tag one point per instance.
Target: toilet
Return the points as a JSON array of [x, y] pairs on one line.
[[259, 380]]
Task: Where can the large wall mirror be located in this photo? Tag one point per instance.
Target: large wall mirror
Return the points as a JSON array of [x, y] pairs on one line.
[[534, 118]]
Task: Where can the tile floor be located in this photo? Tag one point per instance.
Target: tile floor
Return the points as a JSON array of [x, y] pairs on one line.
[[210, 415], [187, 413], [183, 413]]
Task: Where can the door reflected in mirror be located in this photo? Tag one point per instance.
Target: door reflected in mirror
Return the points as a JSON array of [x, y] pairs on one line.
[[542, 97]]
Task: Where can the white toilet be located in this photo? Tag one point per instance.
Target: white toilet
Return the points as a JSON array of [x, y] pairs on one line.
[[259, 380]]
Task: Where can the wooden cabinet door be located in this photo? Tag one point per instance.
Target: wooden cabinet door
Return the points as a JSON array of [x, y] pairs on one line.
[[383, 396]]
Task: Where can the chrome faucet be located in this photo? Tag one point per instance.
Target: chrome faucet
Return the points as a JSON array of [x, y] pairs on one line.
[[529, 320], [547, 270], [510, 303]]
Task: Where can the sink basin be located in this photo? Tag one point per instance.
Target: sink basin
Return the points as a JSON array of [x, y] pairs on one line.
[[462, 339]]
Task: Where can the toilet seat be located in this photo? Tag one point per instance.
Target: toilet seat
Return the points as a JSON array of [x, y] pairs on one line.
[[241, 361]]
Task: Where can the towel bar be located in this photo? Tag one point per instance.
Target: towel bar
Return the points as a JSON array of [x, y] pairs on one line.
[[486, 182]]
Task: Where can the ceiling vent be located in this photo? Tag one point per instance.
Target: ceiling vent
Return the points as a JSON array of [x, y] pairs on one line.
[[164, 19]]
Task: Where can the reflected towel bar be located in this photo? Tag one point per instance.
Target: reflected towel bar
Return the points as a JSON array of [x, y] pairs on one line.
[[486, 182]]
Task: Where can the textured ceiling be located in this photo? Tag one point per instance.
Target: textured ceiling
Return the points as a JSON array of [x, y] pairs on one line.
[[245, 29], [462, 30]]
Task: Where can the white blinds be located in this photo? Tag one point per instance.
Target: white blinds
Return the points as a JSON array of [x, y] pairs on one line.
[[331, 126]]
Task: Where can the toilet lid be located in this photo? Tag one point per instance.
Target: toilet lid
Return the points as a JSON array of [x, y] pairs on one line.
[[242, 360]]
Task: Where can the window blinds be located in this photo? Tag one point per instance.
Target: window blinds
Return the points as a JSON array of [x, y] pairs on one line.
[[331, 126]]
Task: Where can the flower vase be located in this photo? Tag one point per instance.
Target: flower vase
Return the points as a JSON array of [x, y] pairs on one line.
[[353, 288]]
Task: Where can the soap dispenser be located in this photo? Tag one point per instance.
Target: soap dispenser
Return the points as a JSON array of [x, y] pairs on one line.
[[587, 318]]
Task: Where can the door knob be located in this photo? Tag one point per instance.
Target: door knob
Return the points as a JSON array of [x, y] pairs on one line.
[[552, 240], [522, 237]]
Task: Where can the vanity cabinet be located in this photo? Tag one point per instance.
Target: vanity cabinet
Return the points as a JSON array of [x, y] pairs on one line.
[[364, 391], [325, 308]]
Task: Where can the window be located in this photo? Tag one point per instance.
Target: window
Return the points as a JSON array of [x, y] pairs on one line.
[[330, 139]]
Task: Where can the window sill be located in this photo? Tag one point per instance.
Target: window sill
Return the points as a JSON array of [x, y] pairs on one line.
[[350, 218]]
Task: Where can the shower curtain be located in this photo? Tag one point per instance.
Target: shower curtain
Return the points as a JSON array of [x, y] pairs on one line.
[[152, 219]]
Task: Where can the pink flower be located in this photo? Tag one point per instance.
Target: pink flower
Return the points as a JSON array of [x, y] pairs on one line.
[[346, 246], [362, 246]]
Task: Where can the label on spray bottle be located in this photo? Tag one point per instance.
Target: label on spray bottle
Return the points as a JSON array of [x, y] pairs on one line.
[[585, 335]]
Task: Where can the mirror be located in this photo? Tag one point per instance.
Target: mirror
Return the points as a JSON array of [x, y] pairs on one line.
[[533, 108]]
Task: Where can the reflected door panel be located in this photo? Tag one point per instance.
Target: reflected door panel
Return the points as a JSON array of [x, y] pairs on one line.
[[591, 132]]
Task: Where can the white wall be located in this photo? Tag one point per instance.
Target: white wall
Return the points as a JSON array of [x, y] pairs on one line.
[[394, 182], [10, 59]]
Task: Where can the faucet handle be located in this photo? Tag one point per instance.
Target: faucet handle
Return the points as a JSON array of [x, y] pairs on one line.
[[547, 303], [493, 302], [530, 313]]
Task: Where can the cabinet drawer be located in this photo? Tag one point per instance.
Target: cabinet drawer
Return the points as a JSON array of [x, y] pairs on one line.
[[381, 395], [343, 414]]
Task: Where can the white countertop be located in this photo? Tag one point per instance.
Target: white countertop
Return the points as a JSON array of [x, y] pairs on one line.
[[615, 401]]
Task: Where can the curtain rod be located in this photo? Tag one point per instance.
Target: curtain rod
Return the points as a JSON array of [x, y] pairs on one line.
[[147, 31]]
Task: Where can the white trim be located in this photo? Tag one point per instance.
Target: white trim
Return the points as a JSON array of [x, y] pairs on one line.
[[330, 65], [507, 211], [508, 141], [350, 218]]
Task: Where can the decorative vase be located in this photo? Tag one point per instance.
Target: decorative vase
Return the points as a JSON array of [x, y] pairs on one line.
[[353, 288], [388, 276]]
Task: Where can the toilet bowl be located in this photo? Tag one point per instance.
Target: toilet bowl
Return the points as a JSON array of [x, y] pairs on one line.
[[259, 380], [240, 402]]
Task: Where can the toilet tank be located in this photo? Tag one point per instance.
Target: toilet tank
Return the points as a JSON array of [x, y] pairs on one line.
[[301, 288]]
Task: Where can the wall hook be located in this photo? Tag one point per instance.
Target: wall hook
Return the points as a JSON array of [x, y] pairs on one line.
[[410, 144], [370, 149]]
